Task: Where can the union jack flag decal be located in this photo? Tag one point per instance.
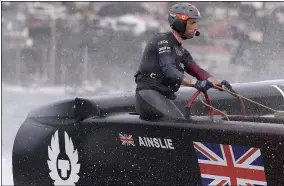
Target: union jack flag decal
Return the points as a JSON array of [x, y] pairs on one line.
[[126, 139], [225, 165]]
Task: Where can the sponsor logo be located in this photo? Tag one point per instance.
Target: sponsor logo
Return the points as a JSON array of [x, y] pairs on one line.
[[179, 50], [160, 143], [163, 42], [181, 65], [63, 167], [229, 164], [126, 139], [164, 49]]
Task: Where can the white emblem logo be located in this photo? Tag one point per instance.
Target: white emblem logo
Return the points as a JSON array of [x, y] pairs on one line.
[[63, 172], [163, 42], [181, 65]]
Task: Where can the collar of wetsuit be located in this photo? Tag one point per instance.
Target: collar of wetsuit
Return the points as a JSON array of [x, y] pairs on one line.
[[173, 38]]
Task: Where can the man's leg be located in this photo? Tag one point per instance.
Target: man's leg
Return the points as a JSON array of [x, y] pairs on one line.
[[151, 104]]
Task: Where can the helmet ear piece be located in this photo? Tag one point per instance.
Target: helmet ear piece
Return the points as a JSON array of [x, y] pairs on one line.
[[171, 18], [179, 26]]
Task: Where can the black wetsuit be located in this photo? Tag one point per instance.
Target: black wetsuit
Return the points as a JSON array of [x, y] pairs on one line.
[[160, 75]]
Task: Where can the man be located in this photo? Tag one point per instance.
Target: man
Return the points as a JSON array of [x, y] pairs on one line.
[[161, 72]]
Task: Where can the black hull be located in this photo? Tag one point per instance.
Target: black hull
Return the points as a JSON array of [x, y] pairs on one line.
[[157, 152]]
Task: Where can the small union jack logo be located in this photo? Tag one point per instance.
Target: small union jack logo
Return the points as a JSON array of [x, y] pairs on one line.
[[126, 139], [224, 165]]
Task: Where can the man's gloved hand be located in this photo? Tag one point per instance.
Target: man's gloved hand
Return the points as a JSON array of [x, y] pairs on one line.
[[203, 85], [226, 84]]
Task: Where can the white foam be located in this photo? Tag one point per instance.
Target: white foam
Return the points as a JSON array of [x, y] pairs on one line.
[[7, 174]]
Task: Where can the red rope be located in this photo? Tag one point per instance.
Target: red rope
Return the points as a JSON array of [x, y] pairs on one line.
[[208, 101]]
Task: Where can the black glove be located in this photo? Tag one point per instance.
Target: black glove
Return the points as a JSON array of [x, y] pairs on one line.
[[226, 84], [203, 85]]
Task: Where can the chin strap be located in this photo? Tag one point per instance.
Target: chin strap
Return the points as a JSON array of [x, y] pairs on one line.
[[182, 34], [183, 37]]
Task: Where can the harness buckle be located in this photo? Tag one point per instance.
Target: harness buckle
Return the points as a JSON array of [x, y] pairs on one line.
[[152, 75]]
